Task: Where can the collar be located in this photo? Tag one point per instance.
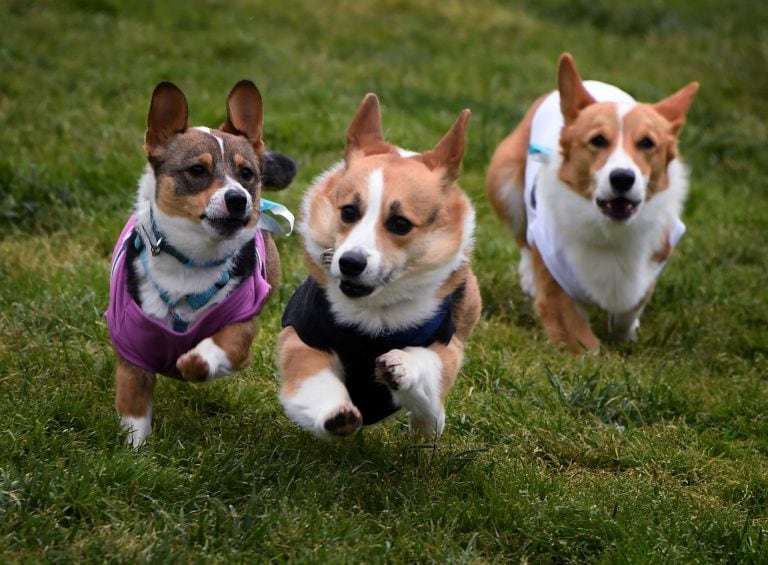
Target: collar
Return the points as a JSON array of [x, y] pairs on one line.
[[160, 245], [274, 218]]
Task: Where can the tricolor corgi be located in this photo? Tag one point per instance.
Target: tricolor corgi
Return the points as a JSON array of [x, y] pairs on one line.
[[381, 322], [193, 267], [592, 187]]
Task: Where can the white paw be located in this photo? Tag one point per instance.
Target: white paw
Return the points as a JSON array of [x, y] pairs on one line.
[[394, 369], [321, 406], [414, 375], [206, 361], [137, 429]]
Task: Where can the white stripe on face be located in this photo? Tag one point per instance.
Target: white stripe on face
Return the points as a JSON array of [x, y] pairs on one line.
[[363, 235], [216, 137], [620, 159]]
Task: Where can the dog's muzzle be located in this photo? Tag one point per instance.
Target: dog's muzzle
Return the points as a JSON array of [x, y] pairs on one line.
[[352, 264], [620, 207], [237, 216]]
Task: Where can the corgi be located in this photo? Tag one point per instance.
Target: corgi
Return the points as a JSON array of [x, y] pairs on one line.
[[381, 322], [592, 186], [193, 266]]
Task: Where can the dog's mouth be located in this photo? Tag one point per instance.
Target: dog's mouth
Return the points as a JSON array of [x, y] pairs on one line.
[[226, 225], [619, 209], [355, 290]]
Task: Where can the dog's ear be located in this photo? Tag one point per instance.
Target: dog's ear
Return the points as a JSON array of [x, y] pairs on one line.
[[573, 96], [364, 134], [449, 151], [245, 114], [168, 113], [675, 107]]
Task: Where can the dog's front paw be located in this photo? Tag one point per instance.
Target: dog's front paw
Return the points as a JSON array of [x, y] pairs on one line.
[[206, 361], [391, 369], [344, 421], [192, 366]]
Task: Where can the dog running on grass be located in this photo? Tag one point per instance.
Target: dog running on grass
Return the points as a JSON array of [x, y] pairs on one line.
[[381, 322], [592, 186], [193, 266]]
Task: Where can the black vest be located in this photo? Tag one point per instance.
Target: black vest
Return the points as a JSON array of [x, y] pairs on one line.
[[309, 313]]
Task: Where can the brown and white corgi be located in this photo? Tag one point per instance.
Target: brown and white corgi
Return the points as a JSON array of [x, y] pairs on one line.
[[381, 322], [192, 267], [591, 184]]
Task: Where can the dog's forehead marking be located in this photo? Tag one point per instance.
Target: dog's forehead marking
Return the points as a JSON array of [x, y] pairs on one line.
[[216, 137], [364, 233]]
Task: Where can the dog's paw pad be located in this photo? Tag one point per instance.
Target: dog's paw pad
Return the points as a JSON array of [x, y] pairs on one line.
[[192, 366], [344, 421], [390, 369]]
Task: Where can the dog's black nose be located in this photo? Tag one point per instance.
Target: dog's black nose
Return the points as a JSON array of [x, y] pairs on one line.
[[236, 202], [352, 263], [622, 179]]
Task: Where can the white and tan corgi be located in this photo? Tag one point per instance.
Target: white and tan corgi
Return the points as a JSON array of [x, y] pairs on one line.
[[192, 267], [381, 322], [591, 184]]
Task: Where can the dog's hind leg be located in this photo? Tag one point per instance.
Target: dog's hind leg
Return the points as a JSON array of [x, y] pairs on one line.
[[133, 400], [312, 392], [564, 321]]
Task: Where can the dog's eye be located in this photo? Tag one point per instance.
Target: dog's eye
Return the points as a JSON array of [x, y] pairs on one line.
[[246, 173], [350, 214], [197, 170], [398, 225], [599, 141], [646, 143]]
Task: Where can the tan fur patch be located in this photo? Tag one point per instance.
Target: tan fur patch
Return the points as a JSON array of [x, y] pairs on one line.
[[235, 340], [507, 171], [298, 361], [582, 159], [135, 389], [643, 123]]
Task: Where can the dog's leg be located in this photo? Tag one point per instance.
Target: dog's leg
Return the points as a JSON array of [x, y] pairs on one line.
[[227, 351], [625, 325], [419, 378], [313, 393], [525, 270], [133, 400], [564, 321]]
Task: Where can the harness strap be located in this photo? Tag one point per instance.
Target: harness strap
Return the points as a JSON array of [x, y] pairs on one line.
[[195, 300]]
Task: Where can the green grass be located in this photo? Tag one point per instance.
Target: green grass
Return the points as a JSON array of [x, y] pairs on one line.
[[656, 452]]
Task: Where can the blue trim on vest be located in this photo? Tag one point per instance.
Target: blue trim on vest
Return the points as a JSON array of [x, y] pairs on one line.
[[423, 333], [536, 149]]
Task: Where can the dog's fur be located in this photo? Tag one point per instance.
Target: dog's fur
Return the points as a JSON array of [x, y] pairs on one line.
[[611, 195], [388, 234], [202, 188]]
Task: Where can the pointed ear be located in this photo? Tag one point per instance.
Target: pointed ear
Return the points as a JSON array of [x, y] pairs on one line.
[[573, 96], [168, 113], [449, 152], [245, 114], [674, 107], [365, 129]]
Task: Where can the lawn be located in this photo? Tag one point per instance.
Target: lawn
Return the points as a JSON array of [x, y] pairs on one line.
[[655, 452]]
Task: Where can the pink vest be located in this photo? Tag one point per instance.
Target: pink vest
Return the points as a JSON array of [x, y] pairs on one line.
[[151, 344]]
